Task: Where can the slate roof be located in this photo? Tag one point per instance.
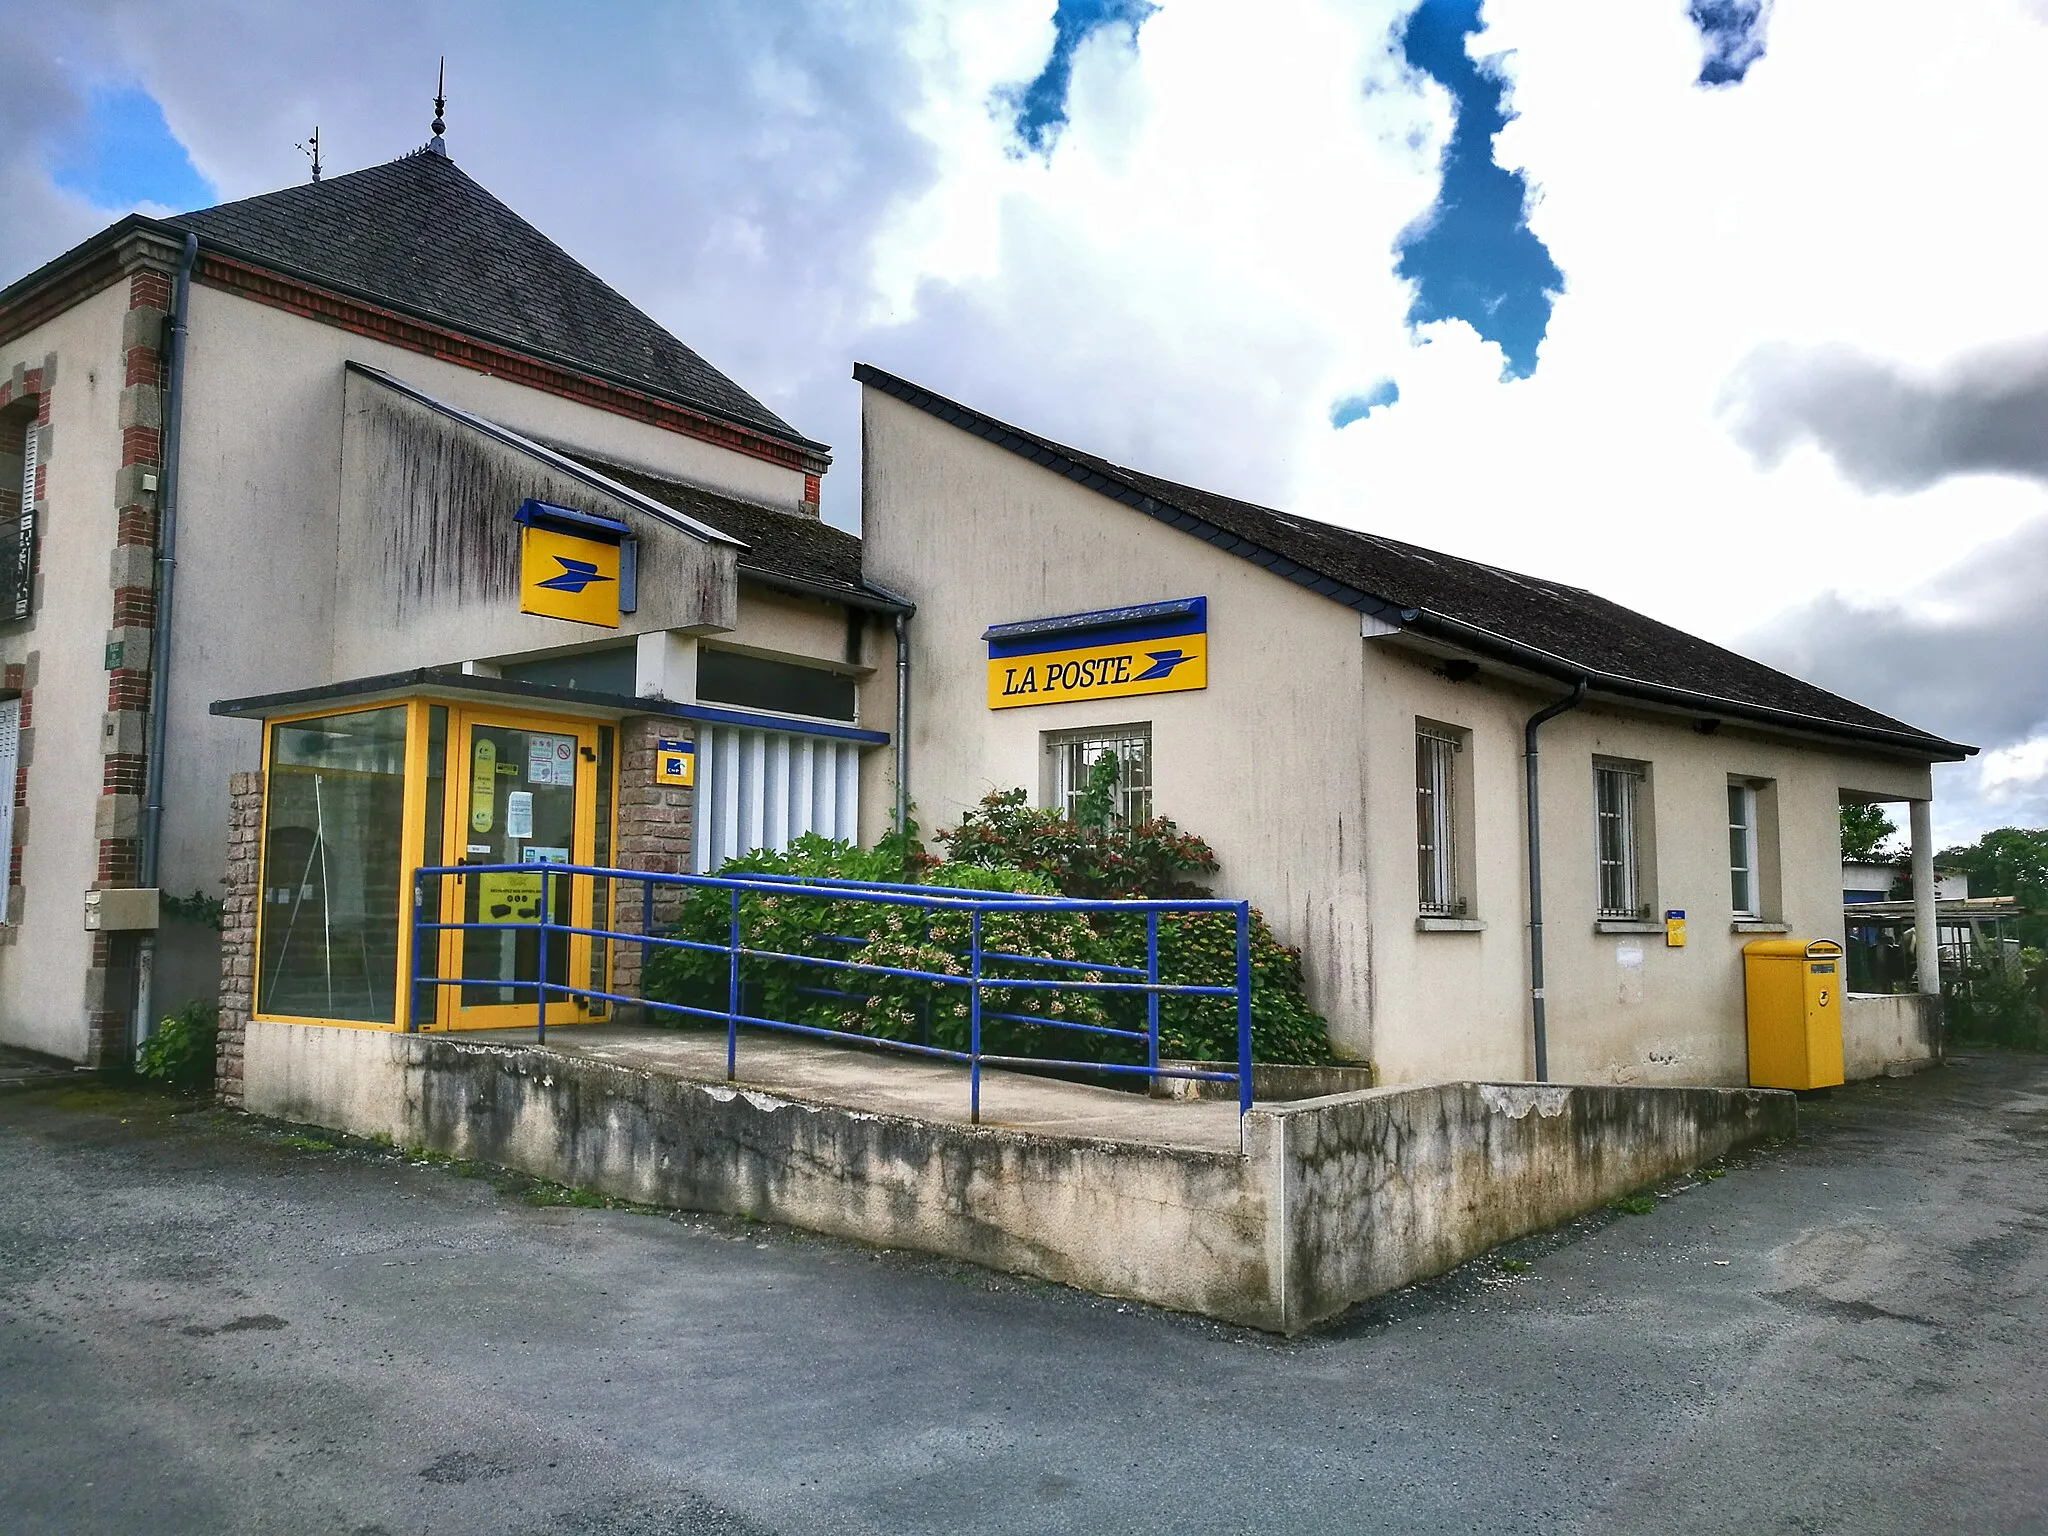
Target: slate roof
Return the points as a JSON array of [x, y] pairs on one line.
[[1542, 626], [417, 234], [784, 548]]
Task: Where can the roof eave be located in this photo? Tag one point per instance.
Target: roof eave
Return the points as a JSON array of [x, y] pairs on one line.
[[1421, 621], [1618, 685], [864, 596], [22, 292]]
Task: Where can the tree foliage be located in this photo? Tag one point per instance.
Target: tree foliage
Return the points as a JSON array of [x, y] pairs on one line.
[[2009, 861], [1867, 832]]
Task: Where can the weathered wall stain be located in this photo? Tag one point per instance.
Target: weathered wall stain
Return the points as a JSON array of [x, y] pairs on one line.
[[444, 498]]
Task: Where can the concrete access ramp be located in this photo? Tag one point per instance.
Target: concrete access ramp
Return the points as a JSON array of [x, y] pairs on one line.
[[1279, 1220]]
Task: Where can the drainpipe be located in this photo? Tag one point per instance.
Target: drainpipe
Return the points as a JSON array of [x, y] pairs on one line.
[[160, 640], [902, 721], [1548, 712]]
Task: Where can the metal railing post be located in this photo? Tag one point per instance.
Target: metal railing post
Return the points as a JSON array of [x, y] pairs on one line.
[[974, 1017], [1152, 991], [1244, 1007], [732, 993], [540, 962], [646, 939], [412, 980]]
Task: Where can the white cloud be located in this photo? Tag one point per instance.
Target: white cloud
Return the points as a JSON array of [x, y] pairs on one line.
[[1205, 263], [2020, 769]]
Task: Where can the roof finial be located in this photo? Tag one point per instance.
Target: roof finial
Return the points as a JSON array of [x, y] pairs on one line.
[[438, 145], [312, 147]]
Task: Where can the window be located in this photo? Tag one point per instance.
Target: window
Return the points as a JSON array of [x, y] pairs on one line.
[[1618, 804], [334, 820], [1745, 878], [1072, 758], [18, 444], [609, 670], [787, 688], [1437, 821]]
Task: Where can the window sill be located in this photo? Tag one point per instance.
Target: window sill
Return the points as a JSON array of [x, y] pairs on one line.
[[1625, 925], [1449, 925], [1757, 925]]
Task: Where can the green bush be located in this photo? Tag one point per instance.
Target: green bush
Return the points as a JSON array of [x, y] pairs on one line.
[[180, 1054], [1006, 845], [1147, 859], [876, 933]]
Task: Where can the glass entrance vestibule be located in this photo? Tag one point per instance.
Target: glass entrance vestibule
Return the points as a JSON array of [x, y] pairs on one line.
[[366, 785]]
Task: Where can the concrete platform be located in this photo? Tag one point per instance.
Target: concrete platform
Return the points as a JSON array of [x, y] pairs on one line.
[[1280, 1219], [888, 1083]]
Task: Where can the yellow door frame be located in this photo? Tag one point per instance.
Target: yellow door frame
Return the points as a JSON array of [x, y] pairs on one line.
[[413, 809], [448, 1012]]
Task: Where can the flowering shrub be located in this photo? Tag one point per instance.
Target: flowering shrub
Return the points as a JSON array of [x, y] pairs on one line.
[[881, 933], [1004, 844], [1147, 859]]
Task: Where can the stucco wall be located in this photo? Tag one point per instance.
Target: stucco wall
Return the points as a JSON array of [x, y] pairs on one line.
[[1264, 762], [261, 538], [1297, 763], [427, 564], [1623, 1008], [43, 970], [1881, 1032]]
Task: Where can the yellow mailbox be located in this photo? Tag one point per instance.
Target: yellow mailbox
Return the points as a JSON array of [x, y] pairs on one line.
[[1795, 1012]]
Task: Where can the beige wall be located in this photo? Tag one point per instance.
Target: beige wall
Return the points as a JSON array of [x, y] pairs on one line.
[[43, 967], [427, 570], [262, 534], [1297, 763], [1264, 763], [260, 551], [1622, 1007]]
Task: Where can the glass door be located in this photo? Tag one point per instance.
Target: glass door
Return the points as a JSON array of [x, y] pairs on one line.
[[524, 794]]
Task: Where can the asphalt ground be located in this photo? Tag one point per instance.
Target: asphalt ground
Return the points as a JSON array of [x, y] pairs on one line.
[[212, 1324]]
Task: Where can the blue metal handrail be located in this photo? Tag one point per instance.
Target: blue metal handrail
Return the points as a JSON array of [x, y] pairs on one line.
[[952, 900]]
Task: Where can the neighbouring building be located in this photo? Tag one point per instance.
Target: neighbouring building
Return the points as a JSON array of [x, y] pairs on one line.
[[376, 491], [1345, 717]]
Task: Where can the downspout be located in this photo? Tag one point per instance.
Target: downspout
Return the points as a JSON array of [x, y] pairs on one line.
[[160, 640], [902, 722], [1535, 827]]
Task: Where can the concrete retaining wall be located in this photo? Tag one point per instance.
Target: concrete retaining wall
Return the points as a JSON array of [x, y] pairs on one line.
[[1385, 1188], [1331, 1200], [1892, 1032]]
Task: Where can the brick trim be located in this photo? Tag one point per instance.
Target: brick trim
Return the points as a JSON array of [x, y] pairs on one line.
[[238, 932], [654, 828], [365, 319]]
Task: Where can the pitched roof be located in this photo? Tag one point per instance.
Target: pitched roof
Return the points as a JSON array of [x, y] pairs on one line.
[[1540, 626], [785, 549], [418, 235]]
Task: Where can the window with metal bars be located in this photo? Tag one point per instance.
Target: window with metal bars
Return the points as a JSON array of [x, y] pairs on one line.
[[19, 440], [1436, 822], [1073, 755], [1617, 803]]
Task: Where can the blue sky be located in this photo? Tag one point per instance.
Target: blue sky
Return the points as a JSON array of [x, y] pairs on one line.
[[1039, 108], [1498, 279], [1473, 258], [123, 154]]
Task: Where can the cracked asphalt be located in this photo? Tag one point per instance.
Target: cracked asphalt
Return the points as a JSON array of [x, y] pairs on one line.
[[213, 1325]]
